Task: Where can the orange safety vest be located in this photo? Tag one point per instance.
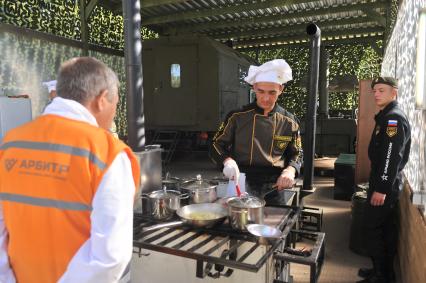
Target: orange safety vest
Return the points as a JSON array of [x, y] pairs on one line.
[[50, 170]]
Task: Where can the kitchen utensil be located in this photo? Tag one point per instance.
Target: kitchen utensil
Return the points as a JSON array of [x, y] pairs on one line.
[[237, 187], [197, 215], [164, 203], [245, 210], [265, 233], [200, 191]]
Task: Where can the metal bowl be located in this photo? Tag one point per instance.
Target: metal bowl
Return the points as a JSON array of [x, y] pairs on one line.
[[266, 234]]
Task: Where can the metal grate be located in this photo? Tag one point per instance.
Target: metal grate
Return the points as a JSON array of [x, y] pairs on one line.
[[202, 244]]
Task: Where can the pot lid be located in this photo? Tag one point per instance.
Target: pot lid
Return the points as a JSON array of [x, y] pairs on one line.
[[197, 184], [163, 194], [169, 179], [246, 201]]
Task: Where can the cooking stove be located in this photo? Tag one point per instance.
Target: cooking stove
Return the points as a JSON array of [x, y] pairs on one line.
[[217, 254]]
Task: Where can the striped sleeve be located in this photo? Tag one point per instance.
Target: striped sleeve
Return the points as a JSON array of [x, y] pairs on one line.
[[294, 152], [223, 140]]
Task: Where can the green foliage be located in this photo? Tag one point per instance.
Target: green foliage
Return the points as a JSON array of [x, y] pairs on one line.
[[369, 66], [62, 18], [359, 60], [294, 98]]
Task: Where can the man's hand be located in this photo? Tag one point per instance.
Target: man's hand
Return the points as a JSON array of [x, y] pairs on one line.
[[377, 199], [230, 170], [286, 179]]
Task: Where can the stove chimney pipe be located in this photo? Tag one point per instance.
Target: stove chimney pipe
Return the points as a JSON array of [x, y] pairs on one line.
[[133, 63], [310, 120]]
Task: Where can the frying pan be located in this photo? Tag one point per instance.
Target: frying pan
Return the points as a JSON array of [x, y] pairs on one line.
[[196, 215], [266, 234]]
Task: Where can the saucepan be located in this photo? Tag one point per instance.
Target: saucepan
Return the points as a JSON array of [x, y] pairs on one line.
[[197, 215], [164, 203], [245, 210], [200, 190]]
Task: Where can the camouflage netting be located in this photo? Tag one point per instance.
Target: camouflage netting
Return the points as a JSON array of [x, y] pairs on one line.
[[29, 61], [62, 18], [360, 61]]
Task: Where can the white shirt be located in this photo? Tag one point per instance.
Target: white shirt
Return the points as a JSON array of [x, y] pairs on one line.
[[105, 255]]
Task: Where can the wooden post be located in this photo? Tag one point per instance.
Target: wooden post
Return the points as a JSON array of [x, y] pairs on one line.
[[366, 110]]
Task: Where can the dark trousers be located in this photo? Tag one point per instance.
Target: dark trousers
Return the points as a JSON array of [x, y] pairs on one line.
[[381, 232]]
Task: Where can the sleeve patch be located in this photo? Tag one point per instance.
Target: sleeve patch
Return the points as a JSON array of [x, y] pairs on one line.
[[283, 138], [391, 131], [282, 145], [392, 123]]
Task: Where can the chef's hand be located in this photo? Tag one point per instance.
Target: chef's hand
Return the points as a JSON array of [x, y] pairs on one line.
[[230, 170], [286, 179], [377, 199]]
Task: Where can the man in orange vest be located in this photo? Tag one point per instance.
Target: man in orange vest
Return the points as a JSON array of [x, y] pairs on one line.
[[67, 186]]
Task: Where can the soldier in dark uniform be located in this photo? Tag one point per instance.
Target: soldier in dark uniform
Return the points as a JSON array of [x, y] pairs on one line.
[[388, 152], [262, 139]]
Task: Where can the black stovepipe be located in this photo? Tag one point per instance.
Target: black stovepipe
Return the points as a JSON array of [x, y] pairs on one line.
[[311, 114]]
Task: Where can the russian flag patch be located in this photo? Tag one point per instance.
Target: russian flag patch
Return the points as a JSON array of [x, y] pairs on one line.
[[392, 123]]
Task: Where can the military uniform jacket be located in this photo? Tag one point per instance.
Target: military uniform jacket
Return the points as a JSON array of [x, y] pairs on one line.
[[389, 149], [255, 141]]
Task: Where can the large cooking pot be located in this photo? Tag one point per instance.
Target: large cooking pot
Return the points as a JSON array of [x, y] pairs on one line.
[[164, 203], [200, 191], [245, 210]]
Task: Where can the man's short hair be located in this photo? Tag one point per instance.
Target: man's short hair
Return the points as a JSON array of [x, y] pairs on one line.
[[385, 80], [83, 78]]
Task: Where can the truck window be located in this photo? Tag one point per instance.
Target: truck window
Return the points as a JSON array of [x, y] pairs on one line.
[[175, 75]]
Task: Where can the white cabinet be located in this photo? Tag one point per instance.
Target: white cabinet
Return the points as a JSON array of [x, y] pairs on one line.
[[13, 113]]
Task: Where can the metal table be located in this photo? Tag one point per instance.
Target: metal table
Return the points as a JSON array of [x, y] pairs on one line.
[[190, 242]]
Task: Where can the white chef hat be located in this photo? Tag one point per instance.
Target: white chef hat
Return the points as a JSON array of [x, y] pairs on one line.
[[51, 85], [275, 71]]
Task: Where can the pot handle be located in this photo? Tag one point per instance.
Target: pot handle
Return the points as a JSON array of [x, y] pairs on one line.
[[184, 196], [244, 194], [163, 225], [145, 196]]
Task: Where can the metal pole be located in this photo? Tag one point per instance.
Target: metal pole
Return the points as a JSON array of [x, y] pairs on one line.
[[310, 122], [257, 54], [84, 28], [133, 62]]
